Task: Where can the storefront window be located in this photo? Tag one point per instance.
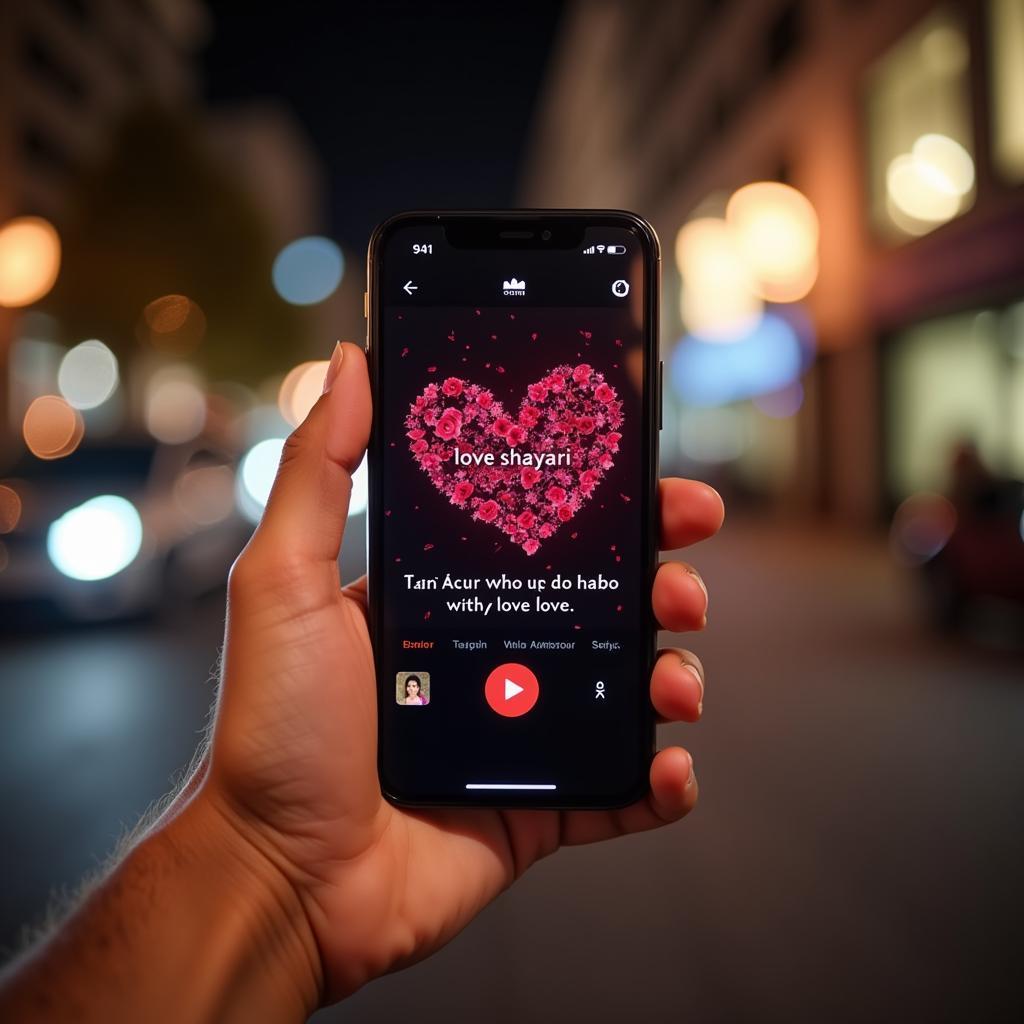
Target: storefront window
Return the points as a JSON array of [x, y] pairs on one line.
[[955, 384], [920, 149]]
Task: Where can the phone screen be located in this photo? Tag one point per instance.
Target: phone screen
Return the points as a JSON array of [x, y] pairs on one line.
[[512, 493]]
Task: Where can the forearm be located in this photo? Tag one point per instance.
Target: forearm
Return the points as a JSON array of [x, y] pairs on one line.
[[193, 925]]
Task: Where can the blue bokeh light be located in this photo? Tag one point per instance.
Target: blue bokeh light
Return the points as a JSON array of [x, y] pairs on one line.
[[769, 358], [308, 270]]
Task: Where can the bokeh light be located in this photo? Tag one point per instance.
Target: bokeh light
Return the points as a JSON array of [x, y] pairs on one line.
[[308, 270], [174, 323], [718, 301], [360, 490], [775, 230], [88, 374], [767, 359], [10, 508], [931, 182], [52, 428], [96, 539], [300, 390], [175, 405], [206, 494], [256, 476], [921, 527], [29, 260]]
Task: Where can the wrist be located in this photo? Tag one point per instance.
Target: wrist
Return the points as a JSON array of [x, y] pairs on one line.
[[257, 938]]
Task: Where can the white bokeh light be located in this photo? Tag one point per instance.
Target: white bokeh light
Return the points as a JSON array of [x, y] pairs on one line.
[[88, 374], [256, 477], [360, 490], [95, 540]]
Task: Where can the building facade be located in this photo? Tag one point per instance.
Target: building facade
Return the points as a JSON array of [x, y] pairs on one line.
[[661, 107]]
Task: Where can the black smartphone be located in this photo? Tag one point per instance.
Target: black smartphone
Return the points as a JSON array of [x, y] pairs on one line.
[[513, 504]]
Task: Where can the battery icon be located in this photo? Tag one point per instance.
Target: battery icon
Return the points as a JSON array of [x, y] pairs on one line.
[[615, 249]]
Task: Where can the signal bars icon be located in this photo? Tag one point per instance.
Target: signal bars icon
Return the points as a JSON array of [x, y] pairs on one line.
[[590, 250]]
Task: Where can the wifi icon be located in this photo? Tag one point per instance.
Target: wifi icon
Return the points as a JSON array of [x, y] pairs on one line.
[[600, 248]]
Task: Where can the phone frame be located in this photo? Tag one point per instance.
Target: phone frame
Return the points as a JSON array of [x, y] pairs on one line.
[[490, 224]]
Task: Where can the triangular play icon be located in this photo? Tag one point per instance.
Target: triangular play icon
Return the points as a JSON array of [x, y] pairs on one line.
[[511, 689]]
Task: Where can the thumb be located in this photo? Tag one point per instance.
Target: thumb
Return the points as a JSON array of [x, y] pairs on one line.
[[308, 505]]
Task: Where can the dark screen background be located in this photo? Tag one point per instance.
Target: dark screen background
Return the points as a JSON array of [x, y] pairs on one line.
[[586, 745]]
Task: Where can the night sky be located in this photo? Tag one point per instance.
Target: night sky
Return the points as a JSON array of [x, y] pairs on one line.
[[409, 105]]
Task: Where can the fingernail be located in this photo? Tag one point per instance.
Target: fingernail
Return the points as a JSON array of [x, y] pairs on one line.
[[700, 681], [700, 583], [693, 778], [335, 365]]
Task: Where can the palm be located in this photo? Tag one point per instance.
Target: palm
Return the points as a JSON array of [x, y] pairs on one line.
[[302, 762]]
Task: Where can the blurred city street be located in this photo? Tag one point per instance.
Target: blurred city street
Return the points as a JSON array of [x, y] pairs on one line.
[[187, 190], [854, 855]]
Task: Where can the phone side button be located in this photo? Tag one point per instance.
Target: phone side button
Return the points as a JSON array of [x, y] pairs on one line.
[[661, 391], [366, 305]]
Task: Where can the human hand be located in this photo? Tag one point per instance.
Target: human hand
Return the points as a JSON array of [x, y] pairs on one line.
[[292, 773]]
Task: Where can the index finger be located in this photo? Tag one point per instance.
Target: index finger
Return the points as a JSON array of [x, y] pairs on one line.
[[690, 511]]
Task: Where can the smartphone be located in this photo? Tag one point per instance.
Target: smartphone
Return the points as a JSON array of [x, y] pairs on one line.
[[512, 527]]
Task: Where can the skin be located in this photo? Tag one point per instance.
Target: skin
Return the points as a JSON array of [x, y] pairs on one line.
[[279, 879], [412, 689]]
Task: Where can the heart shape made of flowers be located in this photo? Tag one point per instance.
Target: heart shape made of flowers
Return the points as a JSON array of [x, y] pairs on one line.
[[528, 474]]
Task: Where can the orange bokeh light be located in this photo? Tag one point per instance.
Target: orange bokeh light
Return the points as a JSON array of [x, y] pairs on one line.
[[52, 428], [776, 232], [173, 323], [29, 260], [10, 508]]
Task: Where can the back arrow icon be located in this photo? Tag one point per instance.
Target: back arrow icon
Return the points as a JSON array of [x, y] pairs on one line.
[[409, 287]]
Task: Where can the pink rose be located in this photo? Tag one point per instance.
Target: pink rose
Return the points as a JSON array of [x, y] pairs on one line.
[[449, 425], [556, 495], [529, 415], [502, 425], [612, 439], [462, 492], [507, 496], [415, 435], [430, 461], [515, 435], [531, 546], [452, 387], [537, 392], [430, 417], [603, 393], [588, 480], [487, 511], [545, 530], [418, 446], [582, 373], [528, 476], [556, 382], [565, 513], [585, 424], [526, 519], [484, 399]]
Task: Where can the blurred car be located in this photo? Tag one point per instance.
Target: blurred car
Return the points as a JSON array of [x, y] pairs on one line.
[[116, 530]]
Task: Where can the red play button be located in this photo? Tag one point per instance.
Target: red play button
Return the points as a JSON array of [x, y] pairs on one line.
[[511, 690]]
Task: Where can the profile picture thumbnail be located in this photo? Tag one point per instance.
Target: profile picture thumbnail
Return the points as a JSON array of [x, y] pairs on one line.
[[412, 688]]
